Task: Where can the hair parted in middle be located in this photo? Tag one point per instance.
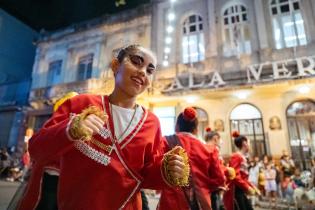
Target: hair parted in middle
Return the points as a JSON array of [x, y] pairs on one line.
[[187, 121], [123, 52]]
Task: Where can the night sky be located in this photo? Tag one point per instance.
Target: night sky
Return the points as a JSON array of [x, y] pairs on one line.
[[54, 14]]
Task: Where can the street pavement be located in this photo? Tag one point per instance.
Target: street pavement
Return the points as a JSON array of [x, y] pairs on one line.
[[7, 190], [153, 201]]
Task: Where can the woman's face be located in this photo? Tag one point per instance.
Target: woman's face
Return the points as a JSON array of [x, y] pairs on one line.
[[245, 146], [265, 159], [217, 140], [133, 75]]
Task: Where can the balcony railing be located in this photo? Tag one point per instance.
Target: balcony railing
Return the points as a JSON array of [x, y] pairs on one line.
[[54, 92]]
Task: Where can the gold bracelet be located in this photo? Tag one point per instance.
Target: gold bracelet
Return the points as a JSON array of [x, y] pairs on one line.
[[181, 182]]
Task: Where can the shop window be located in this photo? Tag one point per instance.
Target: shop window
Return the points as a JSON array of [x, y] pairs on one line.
[[85, 66], [247, 119], [167, 116], [301, 127], [54, 72], [193, 40], [236, 33], [287, 23]]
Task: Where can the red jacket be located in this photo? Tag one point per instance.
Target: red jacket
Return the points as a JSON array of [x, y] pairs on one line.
[[91, 178], [239, 163], [206, 173]]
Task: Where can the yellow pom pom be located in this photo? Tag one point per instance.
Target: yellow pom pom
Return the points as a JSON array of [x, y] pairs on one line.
[[231, 173], [77, 131], [251, 191], [63, 99], [181, 182]]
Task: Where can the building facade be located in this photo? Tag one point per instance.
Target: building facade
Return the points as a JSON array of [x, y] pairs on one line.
[[77, 58], [246, 65], [16, 59]]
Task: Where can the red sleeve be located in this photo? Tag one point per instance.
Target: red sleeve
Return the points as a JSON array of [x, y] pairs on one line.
[[216, 174], [153, 175], [52, 140], [235, 162]]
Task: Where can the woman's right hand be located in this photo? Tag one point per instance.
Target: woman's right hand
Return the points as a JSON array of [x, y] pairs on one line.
[[93, 123], [89, 122]]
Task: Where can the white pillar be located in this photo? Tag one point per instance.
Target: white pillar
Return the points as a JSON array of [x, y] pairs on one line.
[[261, 24], [212, 29], [308, 8]]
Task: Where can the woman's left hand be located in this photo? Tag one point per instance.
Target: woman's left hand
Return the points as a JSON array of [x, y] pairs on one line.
[[176, 164], [176, 167]]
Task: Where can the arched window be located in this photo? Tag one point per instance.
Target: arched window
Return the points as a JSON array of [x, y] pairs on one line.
[[236, 34], [247, 119], [193, 49], [202, 122], [287, 23], [301, 127]]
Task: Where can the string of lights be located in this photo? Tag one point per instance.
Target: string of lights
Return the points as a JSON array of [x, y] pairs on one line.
[[170, 18]]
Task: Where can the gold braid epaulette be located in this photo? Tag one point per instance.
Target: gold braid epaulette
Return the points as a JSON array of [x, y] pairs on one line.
[[76, 131], [184, 181]]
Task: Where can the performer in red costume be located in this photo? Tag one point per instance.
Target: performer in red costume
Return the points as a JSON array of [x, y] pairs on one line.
[[213, 140], [205, 176], [108, 147], [235, 198]]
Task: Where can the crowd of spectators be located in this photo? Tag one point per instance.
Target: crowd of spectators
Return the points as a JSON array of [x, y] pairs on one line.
[[280, 179], [12, 167]]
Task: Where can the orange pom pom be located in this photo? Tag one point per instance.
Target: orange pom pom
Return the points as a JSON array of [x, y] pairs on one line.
[[208, 129], [189, 114], [235, 134]]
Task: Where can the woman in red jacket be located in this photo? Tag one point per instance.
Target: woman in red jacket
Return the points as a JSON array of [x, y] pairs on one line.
[[205, 175], [107, 146], [235, 198]]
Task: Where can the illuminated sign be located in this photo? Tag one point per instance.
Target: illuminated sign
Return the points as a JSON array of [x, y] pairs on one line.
[[264, 72]]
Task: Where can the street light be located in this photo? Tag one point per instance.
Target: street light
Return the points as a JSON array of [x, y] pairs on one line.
[[304, 89]]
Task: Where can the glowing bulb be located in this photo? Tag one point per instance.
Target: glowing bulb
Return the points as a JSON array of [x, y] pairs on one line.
[[242, 94], [191, 99], [168, 40], [165, 63], [169, 29], [304, 89], [167, 50], [171, 16]]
